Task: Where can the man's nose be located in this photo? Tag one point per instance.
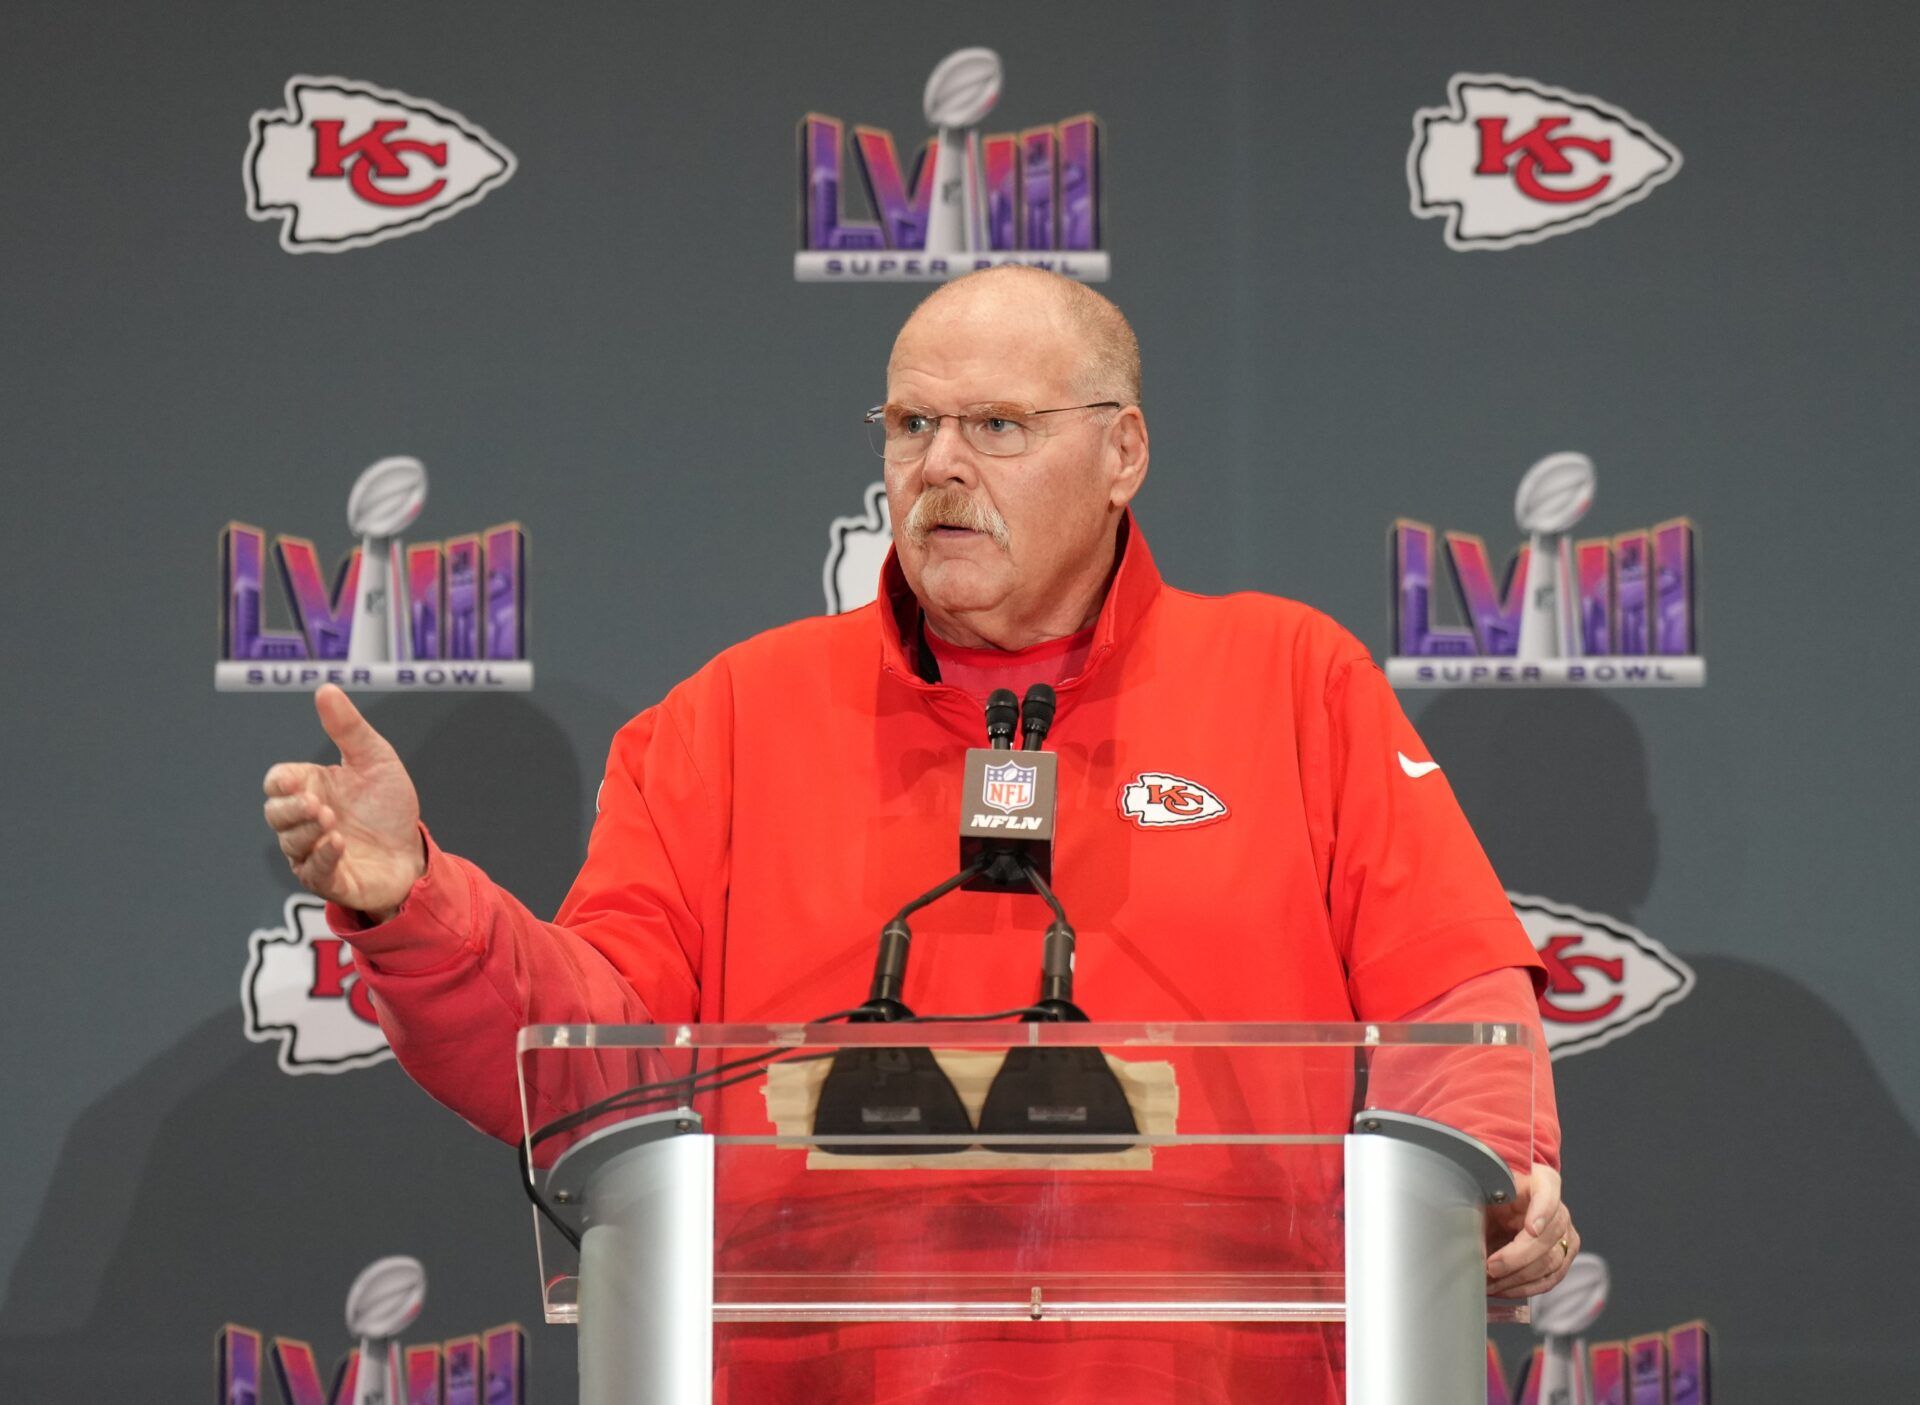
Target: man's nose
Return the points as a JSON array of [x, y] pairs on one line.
[[949, 458]]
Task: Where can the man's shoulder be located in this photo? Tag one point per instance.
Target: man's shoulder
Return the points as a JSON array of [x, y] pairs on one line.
[[787, 668], [812, 641], [1256, 623], [790, 654]]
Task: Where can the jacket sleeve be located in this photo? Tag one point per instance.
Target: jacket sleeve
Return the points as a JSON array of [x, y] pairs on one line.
[[1502, 1096], [1415, 906], [1423, 926], [462, 967]]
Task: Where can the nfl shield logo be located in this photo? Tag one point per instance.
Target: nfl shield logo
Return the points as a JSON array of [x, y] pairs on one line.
[[1008, 788]]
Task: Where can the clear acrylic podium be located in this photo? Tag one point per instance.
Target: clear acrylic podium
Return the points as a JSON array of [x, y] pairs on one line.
[[832, 1173]]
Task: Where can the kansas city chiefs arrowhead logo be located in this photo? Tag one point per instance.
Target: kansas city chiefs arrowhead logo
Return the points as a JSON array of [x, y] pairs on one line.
[[346, 164], [1156, 800], [302, 991], [856, 547], [1604, 977], [1511, 161]]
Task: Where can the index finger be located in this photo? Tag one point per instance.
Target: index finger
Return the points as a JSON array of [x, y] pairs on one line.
[[288, 778], [1543, 1203]]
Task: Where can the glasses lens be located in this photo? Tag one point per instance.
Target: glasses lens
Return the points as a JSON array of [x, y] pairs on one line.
[[904, 434], [877, 434], [1001, 436]]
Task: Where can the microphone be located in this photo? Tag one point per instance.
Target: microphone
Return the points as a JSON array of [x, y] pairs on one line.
[[1036, 716], [1003, 711], [1043, 1089], [1006, 844], [877, 1091], [1007, 797]]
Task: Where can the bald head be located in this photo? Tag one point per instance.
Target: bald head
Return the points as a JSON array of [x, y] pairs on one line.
[[1102, 353], [1005, 486]]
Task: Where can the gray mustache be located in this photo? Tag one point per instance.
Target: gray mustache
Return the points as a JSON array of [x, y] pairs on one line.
[[949, 508]]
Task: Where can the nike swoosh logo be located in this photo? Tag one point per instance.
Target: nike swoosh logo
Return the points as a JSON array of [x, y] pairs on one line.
[[1416, 769]]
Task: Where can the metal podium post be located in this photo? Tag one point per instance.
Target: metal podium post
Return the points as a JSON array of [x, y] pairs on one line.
[[644, 1191], [1417, 1192]]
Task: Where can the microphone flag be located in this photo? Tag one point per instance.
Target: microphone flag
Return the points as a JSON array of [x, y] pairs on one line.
[[1007, 801]]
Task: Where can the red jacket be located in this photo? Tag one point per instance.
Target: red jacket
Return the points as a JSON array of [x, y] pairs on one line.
[[1248, 830]]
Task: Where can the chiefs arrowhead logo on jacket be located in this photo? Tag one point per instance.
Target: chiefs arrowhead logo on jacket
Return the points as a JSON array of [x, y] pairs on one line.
[[347, 164], [1156, 800], [1511, 161]]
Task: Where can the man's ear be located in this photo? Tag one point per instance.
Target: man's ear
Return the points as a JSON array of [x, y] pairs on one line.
[[1127, 445]]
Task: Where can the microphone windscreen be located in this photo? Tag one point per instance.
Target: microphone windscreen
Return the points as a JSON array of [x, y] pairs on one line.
[[1003, 712], [1036, 712]]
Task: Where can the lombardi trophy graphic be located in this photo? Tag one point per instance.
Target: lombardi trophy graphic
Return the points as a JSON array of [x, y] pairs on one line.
[[961, 91], [1561, 1316], [1554, 495], [384, 501], [381, 1304]]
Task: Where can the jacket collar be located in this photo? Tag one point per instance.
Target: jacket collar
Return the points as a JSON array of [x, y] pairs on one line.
[[1136, 584]]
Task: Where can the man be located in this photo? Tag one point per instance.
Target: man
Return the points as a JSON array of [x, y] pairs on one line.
[[1249, 828]]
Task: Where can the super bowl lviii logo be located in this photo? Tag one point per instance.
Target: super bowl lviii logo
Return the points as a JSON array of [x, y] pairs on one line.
[[1619, 611], [427, 616], [345, 164], [968, 201], [1509, 161], [489, 1368]]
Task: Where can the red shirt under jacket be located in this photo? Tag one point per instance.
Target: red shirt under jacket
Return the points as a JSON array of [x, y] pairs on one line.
[[1246, 832]]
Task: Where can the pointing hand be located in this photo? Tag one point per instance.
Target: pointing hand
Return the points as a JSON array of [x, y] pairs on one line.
[[350, 832]]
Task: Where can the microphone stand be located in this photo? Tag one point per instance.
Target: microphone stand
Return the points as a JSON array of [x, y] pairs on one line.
[[872, 1092], [1057, 1089], [879, 1091]]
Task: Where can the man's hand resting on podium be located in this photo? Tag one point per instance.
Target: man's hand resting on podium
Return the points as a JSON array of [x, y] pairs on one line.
[[351, 832], [1535, 1237]]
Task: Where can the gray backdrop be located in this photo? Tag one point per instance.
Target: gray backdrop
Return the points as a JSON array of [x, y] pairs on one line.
[[611, 349]]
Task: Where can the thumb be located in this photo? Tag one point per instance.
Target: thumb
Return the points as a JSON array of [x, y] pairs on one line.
[[351, 732], [1513, 1213]]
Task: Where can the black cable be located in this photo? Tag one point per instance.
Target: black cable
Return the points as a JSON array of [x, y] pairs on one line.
[[698, 1085], [660, 1089], [632, 1098], [686, 1088], [683, 1096], [539, 1202], [692, 1086]]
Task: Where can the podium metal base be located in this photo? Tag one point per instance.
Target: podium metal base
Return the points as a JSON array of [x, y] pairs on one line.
[[645, 1191], [1417, 1194]]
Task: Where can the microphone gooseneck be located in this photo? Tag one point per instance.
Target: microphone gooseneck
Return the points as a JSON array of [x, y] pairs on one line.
[[884, 1004], [1056, 954]]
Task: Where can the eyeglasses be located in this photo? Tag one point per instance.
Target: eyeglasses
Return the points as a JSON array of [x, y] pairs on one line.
[[999, 431]]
